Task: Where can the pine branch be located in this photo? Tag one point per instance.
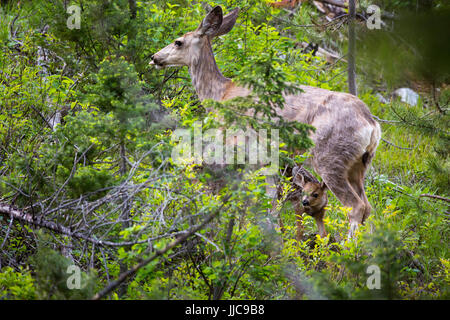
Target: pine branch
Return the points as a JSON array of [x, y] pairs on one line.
[[391, 144]]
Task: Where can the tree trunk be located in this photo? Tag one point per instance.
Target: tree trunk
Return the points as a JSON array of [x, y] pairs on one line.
[[125, 215], [352, 48], [133, 8], [132, 30]]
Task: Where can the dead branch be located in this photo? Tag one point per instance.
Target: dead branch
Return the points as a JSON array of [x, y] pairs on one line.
[[12, 213], [328, 55], [27, 218], [293, 3], [336, 3], [123, 276], [433, 196]]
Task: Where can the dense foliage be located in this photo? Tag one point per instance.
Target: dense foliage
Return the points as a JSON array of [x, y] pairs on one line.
[[86, 159]]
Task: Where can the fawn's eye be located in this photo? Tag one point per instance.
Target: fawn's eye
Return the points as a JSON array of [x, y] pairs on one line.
[[178, 43], [315, 195]]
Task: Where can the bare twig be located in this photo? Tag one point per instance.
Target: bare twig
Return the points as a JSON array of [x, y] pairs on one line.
[[335, 3], [39, 222], [391, 144], [7, 233], [385, 121], [433, 196], [123, 276], [28, 218]]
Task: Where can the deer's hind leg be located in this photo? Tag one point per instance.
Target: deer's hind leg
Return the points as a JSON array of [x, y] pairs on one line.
[[356, 177]]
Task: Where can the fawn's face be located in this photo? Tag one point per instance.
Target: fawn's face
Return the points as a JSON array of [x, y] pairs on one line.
[[314, 195]]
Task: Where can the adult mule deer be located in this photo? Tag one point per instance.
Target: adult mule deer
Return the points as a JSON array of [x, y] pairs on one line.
[[346, 135]]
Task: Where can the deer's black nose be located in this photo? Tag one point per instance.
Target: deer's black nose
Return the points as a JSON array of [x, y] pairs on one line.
[[152, 56], [305, 202], [156, 60]]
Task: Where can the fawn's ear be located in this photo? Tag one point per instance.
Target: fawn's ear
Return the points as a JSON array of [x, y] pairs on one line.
[[298, 179], [323, 186], [211, 23]]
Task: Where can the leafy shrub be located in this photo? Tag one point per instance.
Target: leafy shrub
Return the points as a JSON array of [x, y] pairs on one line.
[[16, 285]]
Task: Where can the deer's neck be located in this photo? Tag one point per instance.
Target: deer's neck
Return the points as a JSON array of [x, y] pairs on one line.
[[206, 77]]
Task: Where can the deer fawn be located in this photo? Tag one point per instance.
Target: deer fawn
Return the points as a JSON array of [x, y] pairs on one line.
[[310, 197], [346, 135]]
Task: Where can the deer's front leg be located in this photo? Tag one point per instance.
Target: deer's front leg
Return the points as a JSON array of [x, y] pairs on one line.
[[320, 225]]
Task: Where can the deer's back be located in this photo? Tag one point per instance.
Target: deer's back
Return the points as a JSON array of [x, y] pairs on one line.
[[342, 121], [344, 125]]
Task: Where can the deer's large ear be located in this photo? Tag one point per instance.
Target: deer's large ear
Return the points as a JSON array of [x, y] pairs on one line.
[[211, 23], [323, 185], [227, 23]]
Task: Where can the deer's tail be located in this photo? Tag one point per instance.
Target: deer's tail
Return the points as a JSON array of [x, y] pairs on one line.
[[373, 144]]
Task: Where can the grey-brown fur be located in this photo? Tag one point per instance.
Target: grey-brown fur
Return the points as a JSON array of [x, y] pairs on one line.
[[207, 79], [346, 135], [309, 196]]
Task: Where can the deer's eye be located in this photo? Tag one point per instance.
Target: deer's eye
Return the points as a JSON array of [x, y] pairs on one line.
[[178, 43], [315, 195]]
